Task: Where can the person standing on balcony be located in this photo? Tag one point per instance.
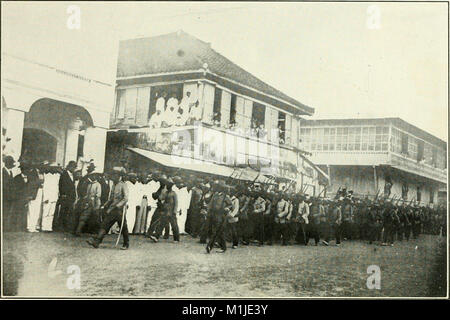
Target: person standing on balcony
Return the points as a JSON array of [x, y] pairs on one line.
[[170, 115], [161, 102], [156, 119], [195, 112]]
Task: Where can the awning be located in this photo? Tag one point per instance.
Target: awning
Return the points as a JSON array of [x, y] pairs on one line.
[[186, 163], [315, 167]]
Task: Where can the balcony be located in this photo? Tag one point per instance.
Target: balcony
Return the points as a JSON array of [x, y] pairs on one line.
[[233, 148], [422, 169]]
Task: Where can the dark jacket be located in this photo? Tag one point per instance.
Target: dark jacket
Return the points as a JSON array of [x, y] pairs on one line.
[[7, 180], [67, 187]]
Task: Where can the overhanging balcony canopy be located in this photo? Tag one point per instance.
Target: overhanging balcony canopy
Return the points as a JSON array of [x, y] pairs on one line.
[[190, 164]]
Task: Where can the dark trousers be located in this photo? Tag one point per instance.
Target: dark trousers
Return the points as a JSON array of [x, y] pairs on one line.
[[206, 228], [301, 236], [268, 228], [283, 230], [218, 233], [325, 231], [65, 219], [8, 219], [346, 229], [312, 232], [416, 230], [258, 230], [374, 232], [407, 230], [109, 220], [244, 230], [195, 223], [85, 216], [167, 219], [337, 228], [389, 232], [233, 226], [154, 223]]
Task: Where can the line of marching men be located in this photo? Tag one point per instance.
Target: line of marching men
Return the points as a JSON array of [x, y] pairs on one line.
[[45, 198], [243, 213]]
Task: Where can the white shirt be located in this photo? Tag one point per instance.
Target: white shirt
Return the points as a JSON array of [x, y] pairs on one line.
[[155, 120], [160, 104], [196, 113]]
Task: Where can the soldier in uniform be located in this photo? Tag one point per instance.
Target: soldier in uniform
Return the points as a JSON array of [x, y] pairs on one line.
[[314, 222], [169, 212], [390, 224], [244, 201], [114, 210], [302, 221], [269, 219], [218, 208], [282, 218], [90, 204], [334, 218], [205, 221], [259, 209]]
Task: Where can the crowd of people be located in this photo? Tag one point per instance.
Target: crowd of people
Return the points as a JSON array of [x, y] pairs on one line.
[[171, 112], [155, 205]]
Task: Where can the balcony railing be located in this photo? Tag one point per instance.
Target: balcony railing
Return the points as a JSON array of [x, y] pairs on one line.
[[422, 169]]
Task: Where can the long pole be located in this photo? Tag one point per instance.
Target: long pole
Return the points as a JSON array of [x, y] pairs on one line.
[[121, 225]]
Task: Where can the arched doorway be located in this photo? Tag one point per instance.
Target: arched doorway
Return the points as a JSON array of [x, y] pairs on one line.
[[54, 131], [38, 146]]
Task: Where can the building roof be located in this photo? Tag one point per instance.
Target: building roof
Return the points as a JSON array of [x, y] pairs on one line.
[[397, 122], [180, 52]]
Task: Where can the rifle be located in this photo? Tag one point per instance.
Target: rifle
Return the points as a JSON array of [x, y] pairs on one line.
[[337, 192], [376, 196]]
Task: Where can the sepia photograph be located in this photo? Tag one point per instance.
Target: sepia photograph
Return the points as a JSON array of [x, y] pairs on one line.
[[224, 150]]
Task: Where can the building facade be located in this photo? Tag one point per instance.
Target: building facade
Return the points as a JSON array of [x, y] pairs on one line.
[[386, 156], [53, 115], [231, 118]]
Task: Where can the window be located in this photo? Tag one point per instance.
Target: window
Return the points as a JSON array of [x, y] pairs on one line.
[[233, 109], [396, 145], [434, 157], [412, 148], [216, 105], [166, 92], [405, 191], [404, 142], [80, 146], [282, 126], [428, 154], [420, 150], [120, 104]]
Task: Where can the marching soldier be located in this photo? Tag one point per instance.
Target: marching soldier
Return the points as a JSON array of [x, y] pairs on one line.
[[303, 221], [244, 201], [282, 219], [219, 206], [90, 204], [259, 209], [114, 210], [169, 212]]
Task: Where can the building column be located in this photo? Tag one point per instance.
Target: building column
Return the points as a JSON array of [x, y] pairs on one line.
[[95, 146], [375, 179], [14, 131], [71, 146]]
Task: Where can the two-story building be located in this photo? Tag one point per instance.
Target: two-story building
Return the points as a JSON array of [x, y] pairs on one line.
[[387, 155], [182, 104]]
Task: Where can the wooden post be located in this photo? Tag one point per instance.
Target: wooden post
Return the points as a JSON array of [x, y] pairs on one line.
[[375, 178]]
